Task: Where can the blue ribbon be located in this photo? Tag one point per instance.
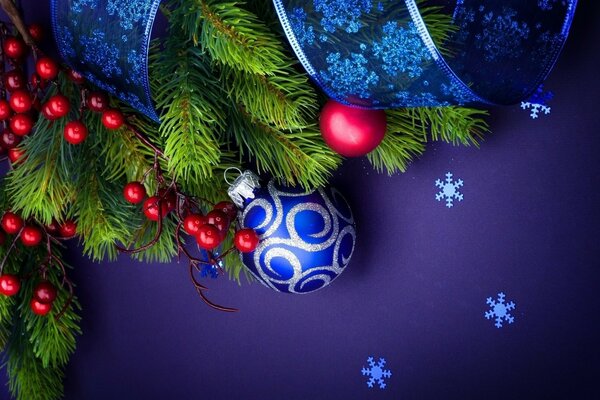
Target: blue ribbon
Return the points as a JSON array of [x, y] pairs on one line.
[[107, 41], [381, 54]]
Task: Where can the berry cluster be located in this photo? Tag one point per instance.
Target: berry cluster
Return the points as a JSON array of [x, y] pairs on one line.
[[44, 293]]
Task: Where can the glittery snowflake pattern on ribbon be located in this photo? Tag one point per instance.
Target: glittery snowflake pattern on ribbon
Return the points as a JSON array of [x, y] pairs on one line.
[[381, 54], [107, 41]]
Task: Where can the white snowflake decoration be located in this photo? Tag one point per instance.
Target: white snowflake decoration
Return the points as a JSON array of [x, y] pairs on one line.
[[449, 190], [499, 310], [376, 372], [535, 108]]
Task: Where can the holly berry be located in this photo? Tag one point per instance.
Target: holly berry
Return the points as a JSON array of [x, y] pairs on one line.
[[11, 223], [246, 240], [134, 192], [53, 228], [150, 208], [75, 77], [75, 132], [16, 155], [9, 285], [192, 223], [31, 236], [8, 139], [219, 219], [36, 31], [20, 101], [21, 124], [40, 308], [5, 110], [14, 80], [168, 198], [57, 106], [14, 47], [46, 68], [68, 229], [44, 292], [97, 101], [228, 208], [208, 237], [113, 118]]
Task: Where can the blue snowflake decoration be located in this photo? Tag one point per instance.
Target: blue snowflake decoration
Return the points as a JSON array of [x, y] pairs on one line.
[[376, 373], [449, 190], [538, 103], [500, 310], [107, 41]]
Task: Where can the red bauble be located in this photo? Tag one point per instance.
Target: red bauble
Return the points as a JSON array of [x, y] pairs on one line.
[[219, 219], [11, 223], [134, 192], [44, 292], [5, 110], [14, 80], [8, 140], [14, 47], [75, 132], [228, 208], [352, 132], [150, 208], [20, 101], [21, 124], [112, 118], [9, 285], [97, 101], [56, 107], [16, 155], [192, 223], [246, 240], [46, 68], [40, 308], [36, 31], [209, 237], [31, 236], [75, 77], [68, 229]]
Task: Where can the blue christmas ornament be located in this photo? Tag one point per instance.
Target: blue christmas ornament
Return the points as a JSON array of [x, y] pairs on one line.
[[382, 54], [306, 238]]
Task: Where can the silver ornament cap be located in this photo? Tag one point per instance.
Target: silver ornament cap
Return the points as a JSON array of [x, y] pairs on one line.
[[243, 187]]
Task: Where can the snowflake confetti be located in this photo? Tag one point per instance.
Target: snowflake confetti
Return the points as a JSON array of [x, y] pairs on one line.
[[499, 310], [449, 190], [376, 373], [538, 103]]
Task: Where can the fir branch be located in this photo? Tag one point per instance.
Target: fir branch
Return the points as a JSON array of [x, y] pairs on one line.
[[454, 124]]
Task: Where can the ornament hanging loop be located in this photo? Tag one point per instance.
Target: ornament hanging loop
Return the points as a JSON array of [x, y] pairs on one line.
[[243, 187]]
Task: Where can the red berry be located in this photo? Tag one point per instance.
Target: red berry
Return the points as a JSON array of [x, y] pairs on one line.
[[112, 118], [9, 285], [44, 292], [58, 106], [11, 223], [97, 101], [246, 240], [219, 219], [192, 223], [14, 80], [75, 132], [5, 110], [40, 308], [20, 101], [31, 236], [209, 237], [16, 155], [21, 124], [36, 31], [169, 198], [8, 139], [150, 208], [53, 228], [68, 229], [134, 192], [14, 47], [228, 208], [46, 68], [75, 77]]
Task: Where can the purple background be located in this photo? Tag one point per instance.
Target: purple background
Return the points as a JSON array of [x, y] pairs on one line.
[[414, 292]]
